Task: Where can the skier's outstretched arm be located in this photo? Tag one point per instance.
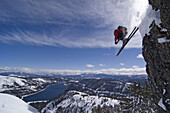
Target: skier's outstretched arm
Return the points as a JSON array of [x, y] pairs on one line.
[[116, 39]]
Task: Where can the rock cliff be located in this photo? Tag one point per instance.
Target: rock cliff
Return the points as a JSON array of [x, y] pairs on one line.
[[156, 52]]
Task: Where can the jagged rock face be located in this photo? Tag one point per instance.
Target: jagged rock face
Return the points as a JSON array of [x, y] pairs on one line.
[[164, 7], [157, 55]]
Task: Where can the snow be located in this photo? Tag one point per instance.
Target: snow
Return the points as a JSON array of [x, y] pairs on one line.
[[164, 91], [164, 30], [163, 40], [39, 79], [150, 16], [7, 80], [137, 10], [161, 104], [127, 85], [12, 104], [89, 99], [81, 100], [167, 101], [74, 81]]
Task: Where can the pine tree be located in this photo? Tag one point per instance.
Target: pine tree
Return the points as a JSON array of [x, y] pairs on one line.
[[140, 99]]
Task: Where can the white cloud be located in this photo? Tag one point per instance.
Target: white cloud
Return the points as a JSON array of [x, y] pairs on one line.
[[122, 64], [89, 65], [102, 65], [112, 71], [108, 11], [135, 67], [101, 14], [140, 56]]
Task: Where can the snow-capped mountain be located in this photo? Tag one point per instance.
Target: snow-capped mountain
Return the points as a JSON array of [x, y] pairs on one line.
[[12, 104], [78, 102]]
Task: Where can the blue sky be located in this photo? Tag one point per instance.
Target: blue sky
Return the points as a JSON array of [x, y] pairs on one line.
[[68, 35]]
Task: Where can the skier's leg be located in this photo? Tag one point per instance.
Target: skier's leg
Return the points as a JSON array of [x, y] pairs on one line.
[[120, 36], [125, 40]]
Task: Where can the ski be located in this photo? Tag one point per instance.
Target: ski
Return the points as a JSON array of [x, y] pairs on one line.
[[129, 37]]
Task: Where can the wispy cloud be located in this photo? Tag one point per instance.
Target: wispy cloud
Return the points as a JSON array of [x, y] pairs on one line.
[[135, 67], [56, 39], [122, 71], [102, 65], [75, 23], [51, 11], [140, 56]]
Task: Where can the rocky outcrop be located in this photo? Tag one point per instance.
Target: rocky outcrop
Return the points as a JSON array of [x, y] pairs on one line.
[[157, 55], [164, 7]]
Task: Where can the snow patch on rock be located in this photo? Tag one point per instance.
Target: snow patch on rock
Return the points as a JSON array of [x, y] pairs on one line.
[[161, 104], [163, 40]]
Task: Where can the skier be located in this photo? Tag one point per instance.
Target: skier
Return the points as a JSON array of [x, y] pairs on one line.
[[120, 34]]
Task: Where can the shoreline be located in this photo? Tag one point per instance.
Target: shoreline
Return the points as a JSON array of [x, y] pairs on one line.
[[34, 93], [37, 101]]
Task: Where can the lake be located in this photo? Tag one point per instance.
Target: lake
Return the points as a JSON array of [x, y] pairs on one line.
[[50, 92]]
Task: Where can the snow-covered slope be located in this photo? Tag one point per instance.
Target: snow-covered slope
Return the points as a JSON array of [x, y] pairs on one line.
[[7, 80], [12, 104], [20, 86], [78, 102], [127, 85]]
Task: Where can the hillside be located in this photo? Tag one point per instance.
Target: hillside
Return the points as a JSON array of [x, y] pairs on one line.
[[22, 85], [12, 104], [78, 102]]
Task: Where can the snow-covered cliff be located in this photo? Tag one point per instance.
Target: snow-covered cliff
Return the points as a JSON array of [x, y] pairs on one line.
[[155, 28]]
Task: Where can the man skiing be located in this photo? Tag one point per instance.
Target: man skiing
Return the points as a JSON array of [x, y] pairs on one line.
[[120, 34]]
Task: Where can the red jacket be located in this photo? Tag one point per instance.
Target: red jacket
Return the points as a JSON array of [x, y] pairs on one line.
[[116, 33]]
